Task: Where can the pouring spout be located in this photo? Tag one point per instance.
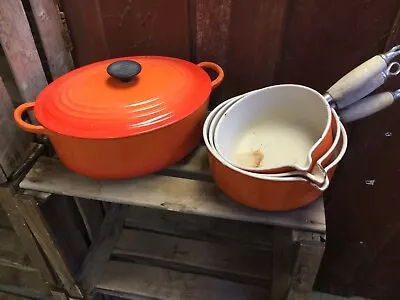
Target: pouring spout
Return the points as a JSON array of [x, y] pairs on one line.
[[391, 54], [396, 94]]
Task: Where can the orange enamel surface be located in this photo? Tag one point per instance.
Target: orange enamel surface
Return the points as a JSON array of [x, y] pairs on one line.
[[131, 156], [38, 129], [263, 194], [88, 103]]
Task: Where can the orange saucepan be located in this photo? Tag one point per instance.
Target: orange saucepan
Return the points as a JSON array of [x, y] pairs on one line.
[[126, 117]]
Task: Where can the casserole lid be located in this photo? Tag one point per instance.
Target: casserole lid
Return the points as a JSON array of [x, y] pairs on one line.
[[124, 97]]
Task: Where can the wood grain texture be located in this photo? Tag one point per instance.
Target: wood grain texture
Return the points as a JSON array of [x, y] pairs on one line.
[[233, 262], [159, 283], [28, 242], [85, 22], [142, 27], [212, 21], [256, 33], [91, 212], [100, 251], [318, 50], [200, 228], [18, 44], [21, 276], [49, 24], [358, 260], [133, 28], [13, 141], [210, 34], [307, 261], [175, 194], [41, 233], [282, 262], [69, 235]]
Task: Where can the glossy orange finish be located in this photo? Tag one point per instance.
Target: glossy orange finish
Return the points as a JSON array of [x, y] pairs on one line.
[[260, 193], [131, 156], [38, 129], [89, 103], [269, 195], [114, 131]]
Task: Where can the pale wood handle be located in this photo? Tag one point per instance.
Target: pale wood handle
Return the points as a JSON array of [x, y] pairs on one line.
[[366, 107], [364, 91], [354, 81]]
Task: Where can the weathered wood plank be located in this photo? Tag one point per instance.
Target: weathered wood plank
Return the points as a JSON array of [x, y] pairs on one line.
[[4, 221], [13, 141], [308, 258], [283, 250], [49, 24], [158, 283], [10, 248], [38, 226], [100, 250], [91, 212], [210, 35], [15, 274], [86, 26], [18, 44], [200, 227], [255, 42], [175, 194], [69, 235], [12, 207], [232, 262], [212, 30]]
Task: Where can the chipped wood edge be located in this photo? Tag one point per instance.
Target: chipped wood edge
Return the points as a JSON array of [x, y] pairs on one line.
[[39, 229]]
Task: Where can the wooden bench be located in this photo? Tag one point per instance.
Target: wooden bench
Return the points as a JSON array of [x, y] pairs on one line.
[[175, 235]]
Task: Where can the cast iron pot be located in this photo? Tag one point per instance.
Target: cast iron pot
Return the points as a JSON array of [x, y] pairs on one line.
[[125, 117]]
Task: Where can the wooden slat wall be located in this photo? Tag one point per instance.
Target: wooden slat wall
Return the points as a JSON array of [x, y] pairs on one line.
[[13, 141], [260, 42], [48, 22], [18, 45]]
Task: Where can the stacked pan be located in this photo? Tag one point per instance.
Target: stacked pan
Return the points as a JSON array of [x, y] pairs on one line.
[[277, 148]]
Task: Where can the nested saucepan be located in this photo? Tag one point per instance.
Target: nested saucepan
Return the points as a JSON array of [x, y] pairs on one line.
[[284, 128], [276, 129], [125, 117], [266, 192]]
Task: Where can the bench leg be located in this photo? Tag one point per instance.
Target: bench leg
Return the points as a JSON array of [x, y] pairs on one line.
[[310, 248]]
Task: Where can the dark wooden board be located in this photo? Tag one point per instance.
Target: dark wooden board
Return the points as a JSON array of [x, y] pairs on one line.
[[326, 39], [137, 27], [226, 261], [256, 32], [69, 233], [51, 30], [158, 283], [92, 215], [200, 227]]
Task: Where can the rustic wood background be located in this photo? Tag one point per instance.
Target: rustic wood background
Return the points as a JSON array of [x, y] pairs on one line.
[[264, 42], [259, 43]]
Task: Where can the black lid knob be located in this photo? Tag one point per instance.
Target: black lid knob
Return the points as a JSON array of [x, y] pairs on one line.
[[124, 70]]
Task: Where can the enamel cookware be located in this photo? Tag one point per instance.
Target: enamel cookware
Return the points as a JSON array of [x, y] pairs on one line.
[[125, 117]]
